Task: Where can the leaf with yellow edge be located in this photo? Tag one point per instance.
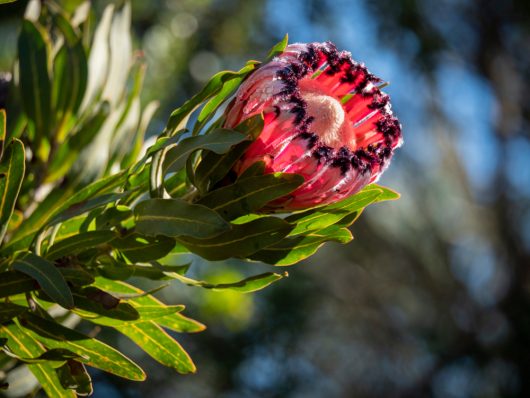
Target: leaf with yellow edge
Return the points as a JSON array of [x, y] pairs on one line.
[[22, 344]]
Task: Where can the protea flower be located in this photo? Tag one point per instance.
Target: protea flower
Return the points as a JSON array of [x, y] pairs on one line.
[[325, 119]]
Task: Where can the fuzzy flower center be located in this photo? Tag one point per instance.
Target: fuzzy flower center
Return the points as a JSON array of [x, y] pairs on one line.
[[328, 113]]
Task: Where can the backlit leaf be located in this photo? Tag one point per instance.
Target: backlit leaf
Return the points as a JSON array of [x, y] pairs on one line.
[[23, 345], [92, 352], [247, 285], [291, 250], [159, 345]]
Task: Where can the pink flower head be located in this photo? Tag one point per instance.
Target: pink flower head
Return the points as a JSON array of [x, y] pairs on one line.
[[324, 118]]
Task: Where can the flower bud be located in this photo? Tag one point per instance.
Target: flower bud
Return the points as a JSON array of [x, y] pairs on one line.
[[325, 118]]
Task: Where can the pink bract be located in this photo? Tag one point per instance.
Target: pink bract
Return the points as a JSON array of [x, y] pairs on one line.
[[325, 119]]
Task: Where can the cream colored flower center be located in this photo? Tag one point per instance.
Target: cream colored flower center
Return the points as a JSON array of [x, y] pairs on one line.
[[329, 117], [328, 113]]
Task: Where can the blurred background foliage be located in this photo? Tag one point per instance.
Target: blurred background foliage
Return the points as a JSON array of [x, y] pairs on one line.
[[432, 299]]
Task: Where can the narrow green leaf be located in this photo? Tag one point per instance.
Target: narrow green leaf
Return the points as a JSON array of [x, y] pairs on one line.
[[139, 248], [26, 346], [85, 206], [9, 311], [176, 322], [92, 352], [159, 345], [12, 167], [179, 117], [113, 216], [23, 236], [78, 243], [70, 70], [93, 310], [120, 271], [7, 1], [34, 80], [323, 217], [175, 217], [63, 200], [3, 120], [214, 167], [48, 276], [241, 241], [255, 169], [247, 285], [218, 141], [227, 89], [68, 153], [278, 48], [388, 194], [294, 249], [145, 314], [55, 357], [77, 276], [14, 282], [250, 194]]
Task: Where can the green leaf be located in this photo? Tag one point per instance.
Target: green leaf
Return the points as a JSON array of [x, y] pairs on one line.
[[12, 167], [159, 345], [7, 1], [77, 276], [99, 187], [228, 87], [140, 248], [68, 153], [247, 285], [145, 314], [96, 304], [214, 167], [34, 80], [175, 217], [92, 352], [55, 358], [85, 206], [70, 74], [48, 276], [63, 200], [78, 243], [250, 194], [113, 216], [3, 120], [241, 241], [278, 48], [14, 282], [178, 118], [294, 249], [323, 217], [120, 271], [176, 322], [26, 346], [388, 194], [218, 141], [9, 311]]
